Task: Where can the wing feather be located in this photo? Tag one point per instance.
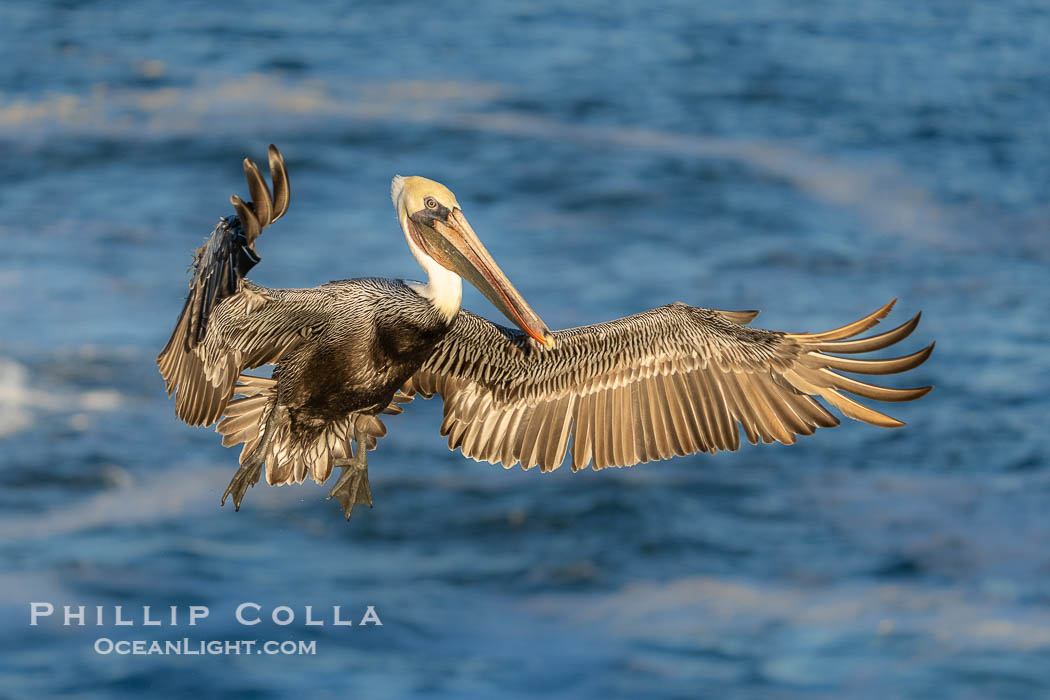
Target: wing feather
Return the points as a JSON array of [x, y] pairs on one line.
[[582, 451], [739, 407], [627, 421]]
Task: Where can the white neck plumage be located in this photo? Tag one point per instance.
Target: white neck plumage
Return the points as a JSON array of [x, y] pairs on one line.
[[444, 288]]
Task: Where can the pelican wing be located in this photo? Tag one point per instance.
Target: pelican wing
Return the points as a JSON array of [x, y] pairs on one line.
[[228, 324], [670, 381]]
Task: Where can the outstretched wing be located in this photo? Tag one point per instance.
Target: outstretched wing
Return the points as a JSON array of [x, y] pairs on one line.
[[225, 324], [671, 381]]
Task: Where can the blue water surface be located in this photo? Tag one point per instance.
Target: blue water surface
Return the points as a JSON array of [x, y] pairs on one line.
[[811, 160]]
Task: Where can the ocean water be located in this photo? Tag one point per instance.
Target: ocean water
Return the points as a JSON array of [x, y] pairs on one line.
[[810, 161]]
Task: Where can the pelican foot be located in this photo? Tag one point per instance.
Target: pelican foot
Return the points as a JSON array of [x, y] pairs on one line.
[[352, 488], [249, 471], [247, 475]]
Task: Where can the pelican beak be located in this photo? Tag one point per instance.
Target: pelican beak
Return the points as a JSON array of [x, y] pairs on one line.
[[453, 244]]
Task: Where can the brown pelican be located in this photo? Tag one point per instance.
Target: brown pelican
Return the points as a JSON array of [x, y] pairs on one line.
[[674, 380]]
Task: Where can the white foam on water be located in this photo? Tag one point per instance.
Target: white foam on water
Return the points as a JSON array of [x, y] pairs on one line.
[[21, 402], [145, 499], [708, 607]]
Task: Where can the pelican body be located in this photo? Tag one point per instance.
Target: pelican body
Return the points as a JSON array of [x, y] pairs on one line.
[[670, 381]]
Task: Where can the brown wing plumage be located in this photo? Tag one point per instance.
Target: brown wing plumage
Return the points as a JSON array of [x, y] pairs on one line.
[[671, 381], [228, 324]]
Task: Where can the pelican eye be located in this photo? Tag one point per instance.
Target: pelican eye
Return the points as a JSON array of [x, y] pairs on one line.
[[430, 203]]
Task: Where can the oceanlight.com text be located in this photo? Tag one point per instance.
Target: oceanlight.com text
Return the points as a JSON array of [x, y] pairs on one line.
[[204, 647]]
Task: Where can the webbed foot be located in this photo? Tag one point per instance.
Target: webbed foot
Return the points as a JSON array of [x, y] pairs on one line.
[[247, 475], [250, 470], [352, 488]]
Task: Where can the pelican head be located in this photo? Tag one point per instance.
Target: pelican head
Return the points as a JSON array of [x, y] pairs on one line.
[[447, 248]]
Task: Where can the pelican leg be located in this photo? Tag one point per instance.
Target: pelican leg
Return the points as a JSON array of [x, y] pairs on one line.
[[353, 488], [248, 473]]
